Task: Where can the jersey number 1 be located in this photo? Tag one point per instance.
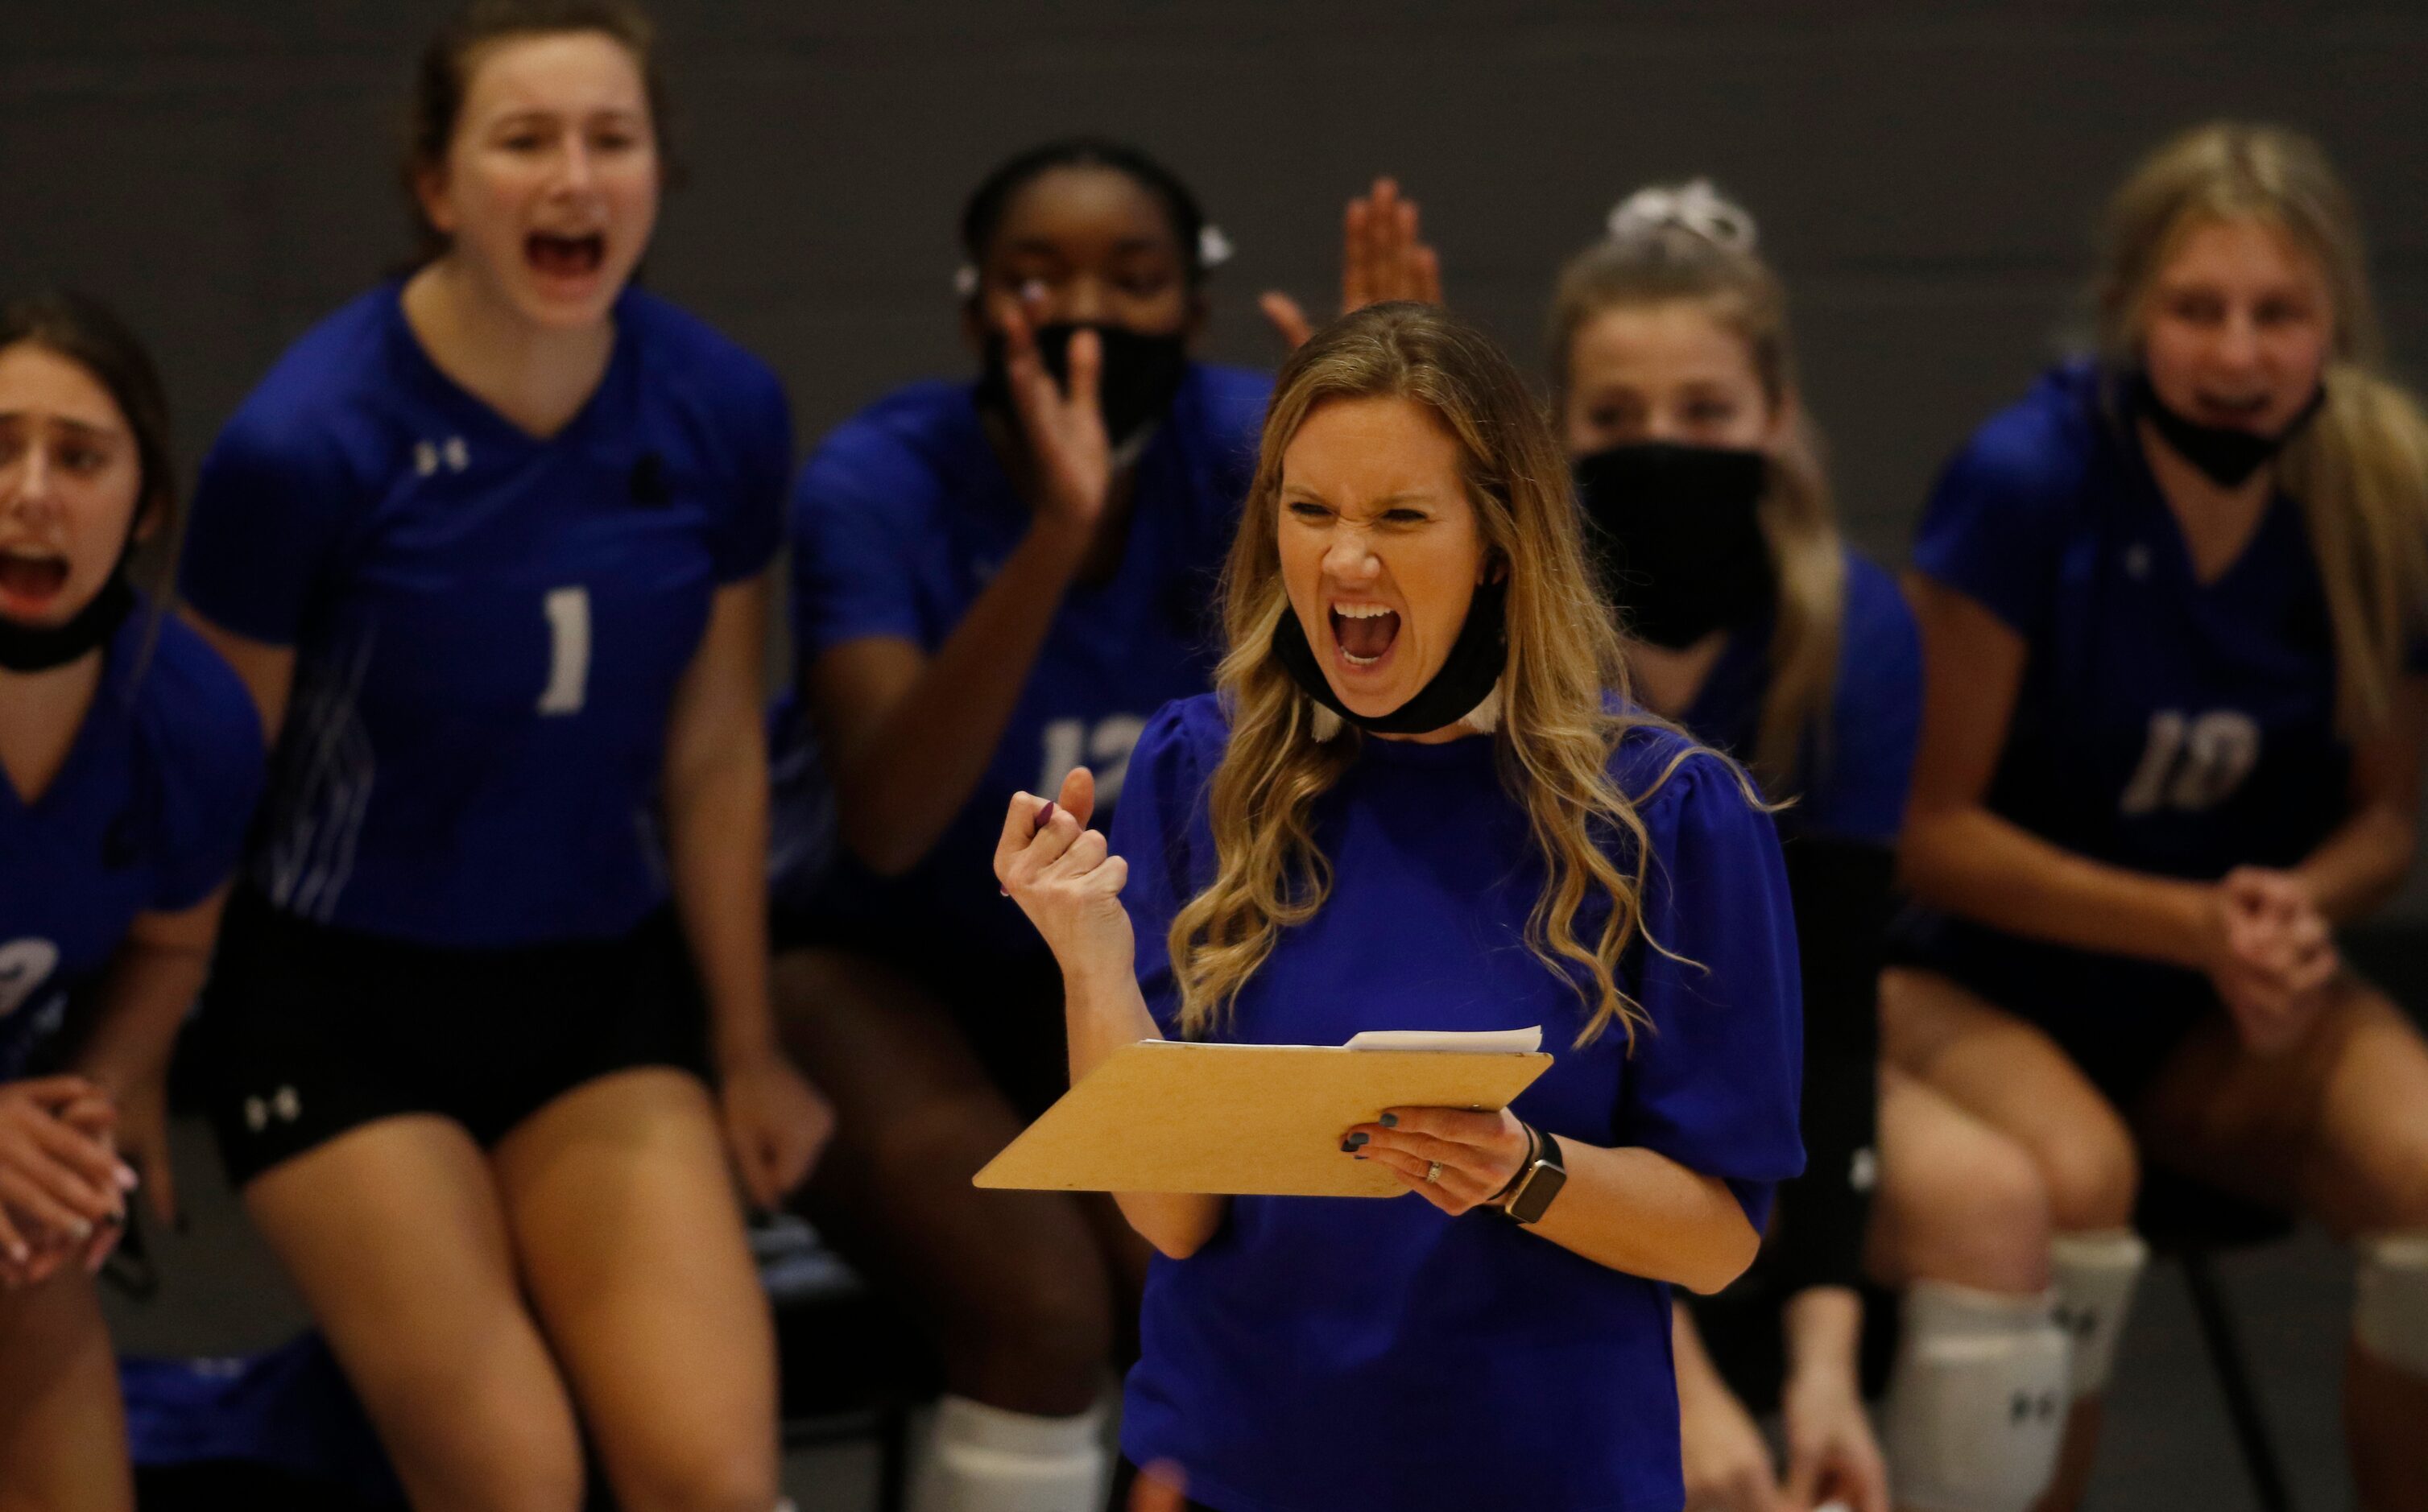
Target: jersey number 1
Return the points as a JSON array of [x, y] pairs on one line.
[[2193, 764], [568, 663]]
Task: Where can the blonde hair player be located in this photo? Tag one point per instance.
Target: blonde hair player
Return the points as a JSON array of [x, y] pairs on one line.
[[1418, 799], [2172, 606], [1674, 381]]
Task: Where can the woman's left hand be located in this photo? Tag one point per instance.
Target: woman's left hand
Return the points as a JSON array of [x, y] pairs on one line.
[[1478, 1153], [775, 1124]]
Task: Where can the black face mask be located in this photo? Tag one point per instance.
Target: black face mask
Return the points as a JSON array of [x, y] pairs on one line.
[[1134, 387], [1679, 534], [1466, 677], [40, 647], [2224, 455]]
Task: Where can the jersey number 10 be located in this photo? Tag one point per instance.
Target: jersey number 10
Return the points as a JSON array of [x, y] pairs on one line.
[[2193, 764]]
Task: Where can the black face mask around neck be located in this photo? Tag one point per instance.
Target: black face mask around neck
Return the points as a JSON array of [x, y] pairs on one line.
[[38, 648], [1134, 387], [1679, 530], [2224, 454], [1453, 692]]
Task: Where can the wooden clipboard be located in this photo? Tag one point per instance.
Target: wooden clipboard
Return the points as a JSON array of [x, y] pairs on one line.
[[1264, 1120]]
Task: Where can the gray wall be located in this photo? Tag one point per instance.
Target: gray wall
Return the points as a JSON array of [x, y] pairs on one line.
[[1926, 175]]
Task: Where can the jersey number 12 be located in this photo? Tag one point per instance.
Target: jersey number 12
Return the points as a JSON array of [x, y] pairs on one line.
[[568, 662]]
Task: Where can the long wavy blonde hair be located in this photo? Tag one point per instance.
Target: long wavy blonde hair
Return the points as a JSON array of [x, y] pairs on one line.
[[1556, 729], [1709, 260], [2359, 469]]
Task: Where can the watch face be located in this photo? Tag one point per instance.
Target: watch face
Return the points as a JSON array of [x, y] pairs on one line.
[[1538, 1192]]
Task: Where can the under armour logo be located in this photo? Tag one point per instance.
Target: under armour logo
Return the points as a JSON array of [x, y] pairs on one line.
[[2029, 1406], [283, 1104], [427, 455], [2137, 561], [1864, 1171]]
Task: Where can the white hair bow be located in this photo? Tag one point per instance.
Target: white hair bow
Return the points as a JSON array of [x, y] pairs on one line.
[[1695, 206]]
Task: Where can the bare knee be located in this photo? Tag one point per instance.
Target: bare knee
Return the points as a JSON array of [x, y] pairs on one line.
[[2091, 1171], [1989, 1231], [1036, 1334], [697, 1477], [490, 1465], [1026, 1316]]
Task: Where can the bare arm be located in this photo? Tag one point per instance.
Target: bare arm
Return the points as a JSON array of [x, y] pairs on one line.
[[1064, 877], [2365, 860], [1629, 1209], [268, 672], [153, 980], [1959, 857], [715, 800], [908, 738]]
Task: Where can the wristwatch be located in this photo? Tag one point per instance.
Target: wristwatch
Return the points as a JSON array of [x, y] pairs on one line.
[[1539, 1182]]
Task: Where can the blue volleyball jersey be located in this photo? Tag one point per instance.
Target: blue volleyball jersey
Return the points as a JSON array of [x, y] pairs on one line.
[[1531, 1376], [1853, 770], [897, 524], [488, 627], [2162, 724], [147, 816]]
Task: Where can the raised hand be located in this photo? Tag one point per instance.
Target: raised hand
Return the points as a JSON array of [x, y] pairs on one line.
[[1382, 256], [1065, 431], [1066, 879]]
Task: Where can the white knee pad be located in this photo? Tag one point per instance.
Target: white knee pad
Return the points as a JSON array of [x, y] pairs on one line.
[[1978, 1400], [2390, 1307], [985, 1459], [2097, 1275]]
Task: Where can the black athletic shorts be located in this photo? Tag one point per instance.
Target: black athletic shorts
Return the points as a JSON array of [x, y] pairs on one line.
[[1008, 1006], [309, 1031]]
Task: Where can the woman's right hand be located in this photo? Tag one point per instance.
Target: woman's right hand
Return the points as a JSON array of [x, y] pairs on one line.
[[1382, 256], [60, 1182], [1064, 430], [1066, 879], [1726, 1462]]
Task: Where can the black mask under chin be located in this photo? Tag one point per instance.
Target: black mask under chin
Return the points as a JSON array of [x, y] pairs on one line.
[[2224, 454], [40, 647], [1679, 529], [1464, 680], [1134, 387]]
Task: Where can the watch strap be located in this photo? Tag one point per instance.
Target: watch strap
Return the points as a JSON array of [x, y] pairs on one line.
[[1543, 1179]]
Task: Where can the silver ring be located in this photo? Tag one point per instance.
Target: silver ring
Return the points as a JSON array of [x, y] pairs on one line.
[[1433, 1172]]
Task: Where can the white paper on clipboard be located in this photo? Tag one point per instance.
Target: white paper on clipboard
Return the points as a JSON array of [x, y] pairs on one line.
[[1464, 1041]]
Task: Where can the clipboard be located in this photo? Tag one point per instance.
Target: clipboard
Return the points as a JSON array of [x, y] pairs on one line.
[[1243, 1120]]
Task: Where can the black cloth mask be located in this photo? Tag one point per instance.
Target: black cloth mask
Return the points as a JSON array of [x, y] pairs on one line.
[[40, 647], [2225, 455], [1464, 680], [1134, 387], [1679, 530]]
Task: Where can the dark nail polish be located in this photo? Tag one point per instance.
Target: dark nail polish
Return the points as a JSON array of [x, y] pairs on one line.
[[1389, 1121], [1357, 1139]]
